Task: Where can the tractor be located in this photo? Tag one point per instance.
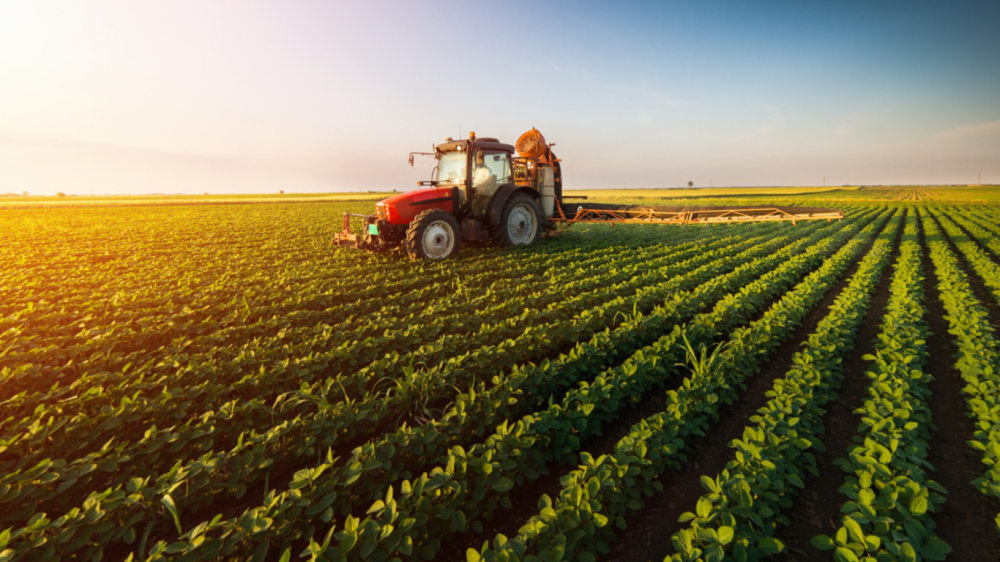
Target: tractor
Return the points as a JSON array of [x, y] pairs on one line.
[[480, 191]]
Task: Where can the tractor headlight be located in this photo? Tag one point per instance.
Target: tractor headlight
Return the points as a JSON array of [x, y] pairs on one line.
[[380, 211]]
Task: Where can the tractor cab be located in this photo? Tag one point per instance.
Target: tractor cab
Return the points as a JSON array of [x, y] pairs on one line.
[[475, 168]]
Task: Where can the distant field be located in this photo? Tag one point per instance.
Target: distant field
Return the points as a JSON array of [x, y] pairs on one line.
[[959, 193], [174, 199], [370, 196], [675, 193]]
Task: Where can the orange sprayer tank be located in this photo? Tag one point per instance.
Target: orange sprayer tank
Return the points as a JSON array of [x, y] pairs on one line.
[[532, 145]]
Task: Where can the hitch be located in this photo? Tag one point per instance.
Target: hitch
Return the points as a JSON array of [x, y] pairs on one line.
[[346, 238]]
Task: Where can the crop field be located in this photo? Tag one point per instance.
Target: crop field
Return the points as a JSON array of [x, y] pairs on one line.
[[217, 382]]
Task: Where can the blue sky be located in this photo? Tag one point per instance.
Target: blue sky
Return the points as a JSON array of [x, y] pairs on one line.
[[185, 96]]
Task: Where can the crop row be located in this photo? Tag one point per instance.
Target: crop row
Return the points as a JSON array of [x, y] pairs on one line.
[[978, 361], [147, 453], [979, 259], [129, 506], [210, 381], [891, 497], [208, 334], [466, 486], [578, 523], [743, 505], [449, 498], [208, 321], [105, 350]]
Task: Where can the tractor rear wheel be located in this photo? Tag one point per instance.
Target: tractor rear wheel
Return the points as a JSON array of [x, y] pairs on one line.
[[520, 222], [434, 234]]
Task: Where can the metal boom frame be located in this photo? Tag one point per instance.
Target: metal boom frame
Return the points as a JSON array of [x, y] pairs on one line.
[[703, 216]]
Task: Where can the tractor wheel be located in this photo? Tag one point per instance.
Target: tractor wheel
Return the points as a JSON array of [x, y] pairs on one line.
[[433, 234], [520, 222]]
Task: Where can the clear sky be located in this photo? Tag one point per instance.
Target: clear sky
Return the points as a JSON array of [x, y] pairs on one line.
[[188, 96]]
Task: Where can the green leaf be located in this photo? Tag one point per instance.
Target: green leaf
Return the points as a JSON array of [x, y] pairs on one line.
[[770, 545], [168, 502], [744, 498], [854, 530], [708, 484], [823, 542], [726, 535], [704, 508], [935, 549], [714, 553], [503, 485], [906, 553], [844, 555]]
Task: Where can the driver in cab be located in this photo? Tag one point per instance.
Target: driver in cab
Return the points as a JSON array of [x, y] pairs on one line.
[[482, 177]]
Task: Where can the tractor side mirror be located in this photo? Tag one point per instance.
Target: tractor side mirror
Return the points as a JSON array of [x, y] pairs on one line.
[[411, 160]]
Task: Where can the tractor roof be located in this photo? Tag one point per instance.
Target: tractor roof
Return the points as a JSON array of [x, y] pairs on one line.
[[480, 143]]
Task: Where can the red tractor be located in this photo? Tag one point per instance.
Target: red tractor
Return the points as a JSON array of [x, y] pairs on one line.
[[479, 191]]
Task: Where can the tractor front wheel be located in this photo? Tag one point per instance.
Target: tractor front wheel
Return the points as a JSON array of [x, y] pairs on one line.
[[434, 234]]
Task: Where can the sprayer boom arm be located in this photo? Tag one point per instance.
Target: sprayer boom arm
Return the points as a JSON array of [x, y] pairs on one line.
[[601, 213]]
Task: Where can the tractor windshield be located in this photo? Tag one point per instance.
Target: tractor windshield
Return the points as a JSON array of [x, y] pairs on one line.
[[451, 167]]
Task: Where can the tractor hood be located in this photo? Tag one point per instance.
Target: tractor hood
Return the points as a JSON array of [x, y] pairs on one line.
[[403, 208]]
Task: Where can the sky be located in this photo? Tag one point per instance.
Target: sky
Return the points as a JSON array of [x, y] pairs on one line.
[[182, 96]]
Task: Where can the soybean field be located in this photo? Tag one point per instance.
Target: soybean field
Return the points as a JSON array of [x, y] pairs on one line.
[[193, 382]]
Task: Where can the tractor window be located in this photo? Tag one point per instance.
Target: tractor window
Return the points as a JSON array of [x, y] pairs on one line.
[[451, 168], [499, 164], [490, 171]]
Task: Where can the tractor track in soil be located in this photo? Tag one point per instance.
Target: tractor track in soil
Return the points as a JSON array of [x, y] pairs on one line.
[[817, 509], [524, 502], [965, 520], [647, 535]]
